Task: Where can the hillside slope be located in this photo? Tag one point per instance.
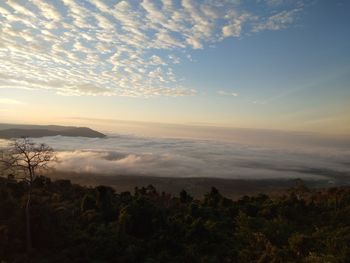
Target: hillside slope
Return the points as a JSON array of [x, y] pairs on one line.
[[8, 131]]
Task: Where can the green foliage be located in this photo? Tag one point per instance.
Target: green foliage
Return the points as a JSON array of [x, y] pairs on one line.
[[72, 223]]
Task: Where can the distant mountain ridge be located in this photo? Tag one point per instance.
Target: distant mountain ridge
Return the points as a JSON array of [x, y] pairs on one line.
[[8, 131]]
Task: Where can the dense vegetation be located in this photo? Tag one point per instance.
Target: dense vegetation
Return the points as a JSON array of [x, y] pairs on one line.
[[71, 223]]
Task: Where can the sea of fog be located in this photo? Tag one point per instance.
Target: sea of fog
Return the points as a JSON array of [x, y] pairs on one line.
[[174, 157]]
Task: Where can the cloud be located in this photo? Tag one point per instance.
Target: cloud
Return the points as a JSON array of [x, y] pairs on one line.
[[227, 93], [235, 24], [48, 10], [141, 164], [275, 2], [229, 153], [20, 8], [278, 21], [164, 157], [149, 156], [124, 48]]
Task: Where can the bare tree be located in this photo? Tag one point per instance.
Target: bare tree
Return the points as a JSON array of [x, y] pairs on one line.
[[25, 158]]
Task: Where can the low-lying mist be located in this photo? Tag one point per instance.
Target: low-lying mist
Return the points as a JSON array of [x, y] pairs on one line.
[[164, 157]]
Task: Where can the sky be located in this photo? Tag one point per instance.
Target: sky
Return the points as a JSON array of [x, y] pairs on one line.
[[259, 64]]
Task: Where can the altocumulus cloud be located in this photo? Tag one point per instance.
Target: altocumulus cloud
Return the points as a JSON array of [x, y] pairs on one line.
[[120, 48]]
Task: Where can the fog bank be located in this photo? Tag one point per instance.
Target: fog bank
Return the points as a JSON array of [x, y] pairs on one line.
[[164, 157]]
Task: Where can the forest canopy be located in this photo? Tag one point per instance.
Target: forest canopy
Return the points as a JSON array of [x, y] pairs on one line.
[[72, 223]]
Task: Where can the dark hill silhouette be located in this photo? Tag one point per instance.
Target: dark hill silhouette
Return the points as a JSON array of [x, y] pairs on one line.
[[8, 131]]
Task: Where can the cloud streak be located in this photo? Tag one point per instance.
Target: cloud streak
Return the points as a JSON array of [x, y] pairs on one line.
[[227, 93], [118, 48]]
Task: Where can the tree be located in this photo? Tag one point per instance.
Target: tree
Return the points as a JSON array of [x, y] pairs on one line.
[[185, 197], [24, 158], [299, 189]]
